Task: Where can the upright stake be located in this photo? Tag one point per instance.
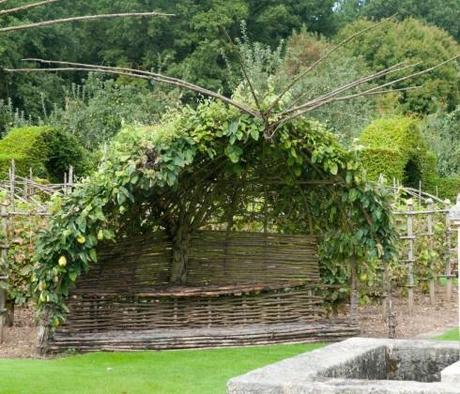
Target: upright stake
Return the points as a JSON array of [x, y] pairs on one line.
[[12, 174], [3, 267], [430, 234], [391, 320], [65, 182], [410, 256], [31, 182], [448, 255], [354, 289], [71, 178]]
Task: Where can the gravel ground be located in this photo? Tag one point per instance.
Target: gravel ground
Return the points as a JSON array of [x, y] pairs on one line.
[[19, 340], [425, 321]]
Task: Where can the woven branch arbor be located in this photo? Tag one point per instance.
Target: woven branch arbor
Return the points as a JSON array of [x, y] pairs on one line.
[[210, 169]]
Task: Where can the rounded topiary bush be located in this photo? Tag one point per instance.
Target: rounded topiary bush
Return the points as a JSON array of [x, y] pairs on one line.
[[47, 151], [395, 148]]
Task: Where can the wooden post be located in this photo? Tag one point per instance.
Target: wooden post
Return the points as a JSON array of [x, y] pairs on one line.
[[448, 256], [354, 296], [430, 234], [31, 183], [12, 176], [3, 267], [65, 182], [410, 254], [71, 176], [391, 319]]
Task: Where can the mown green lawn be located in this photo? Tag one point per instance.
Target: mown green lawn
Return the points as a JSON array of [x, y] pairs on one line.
[[184, 372], [168, 372], [452, 335]]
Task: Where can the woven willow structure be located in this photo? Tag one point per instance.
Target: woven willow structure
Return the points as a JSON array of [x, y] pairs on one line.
[[211, 244], [241, 288]]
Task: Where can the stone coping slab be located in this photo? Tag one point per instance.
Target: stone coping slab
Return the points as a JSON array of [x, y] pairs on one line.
[[361, 365]]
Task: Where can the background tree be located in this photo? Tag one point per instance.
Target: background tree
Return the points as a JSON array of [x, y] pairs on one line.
[[417, 43], [445, 14], [442, 132]]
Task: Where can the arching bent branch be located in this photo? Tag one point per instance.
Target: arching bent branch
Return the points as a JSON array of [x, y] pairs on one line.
[[26, 7], [129, 72], [79, 19], [281, 118], [329, 98]]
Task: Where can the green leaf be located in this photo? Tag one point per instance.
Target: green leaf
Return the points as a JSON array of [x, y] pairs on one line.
[[234, 153], [334, 168]]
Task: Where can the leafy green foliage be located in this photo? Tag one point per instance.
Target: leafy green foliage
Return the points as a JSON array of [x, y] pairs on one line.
[[45, 150], [96, 111], [447, 187], [22, 233], [412, 42], [190, 165], [441, 13], [189, 45], [442, 133], [11, 117]]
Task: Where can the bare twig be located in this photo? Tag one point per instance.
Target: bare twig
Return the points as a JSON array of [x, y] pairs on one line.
[[26, 7], [136, 74], [244, 71], [322, 58], [425, 71], [80, 18], [3, 1], [348, 86], [376, 92]]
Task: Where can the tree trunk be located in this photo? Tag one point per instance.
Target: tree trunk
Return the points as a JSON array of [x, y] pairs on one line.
[[354, 294], [181, 244], [9, 315]]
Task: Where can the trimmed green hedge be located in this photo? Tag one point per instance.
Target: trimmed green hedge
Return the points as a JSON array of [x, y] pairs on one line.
[[395, 148], [45, 150], [376, 159], [447, 187]]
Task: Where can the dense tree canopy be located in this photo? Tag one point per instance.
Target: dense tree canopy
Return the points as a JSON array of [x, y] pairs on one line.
[[442, 13], [412, 42], [190, 45]]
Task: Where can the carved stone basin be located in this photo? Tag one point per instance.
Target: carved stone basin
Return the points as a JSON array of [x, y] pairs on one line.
[[361, 365]]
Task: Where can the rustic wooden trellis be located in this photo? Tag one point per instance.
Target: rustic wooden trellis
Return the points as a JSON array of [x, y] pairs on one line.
[[426, 211], [16, 191]]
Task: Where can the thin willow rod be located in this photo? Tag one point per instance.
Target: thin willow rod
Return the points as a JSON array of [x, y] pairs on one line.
[[333, 99], [427, 70], [26, 7], [351, 85], [142, 75], [364, 93], [167, 79], [377, 92], [79, 19], [324, 57], [245, 74]]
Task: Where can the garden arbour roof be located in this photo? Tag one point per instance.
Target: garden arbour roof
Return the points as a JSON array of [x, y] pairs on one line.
[[145, 164]]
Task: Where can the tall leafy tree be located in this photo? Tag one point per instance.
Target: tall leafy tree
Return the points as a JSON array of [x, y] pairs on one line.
[[442, 13], [412, 42]]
